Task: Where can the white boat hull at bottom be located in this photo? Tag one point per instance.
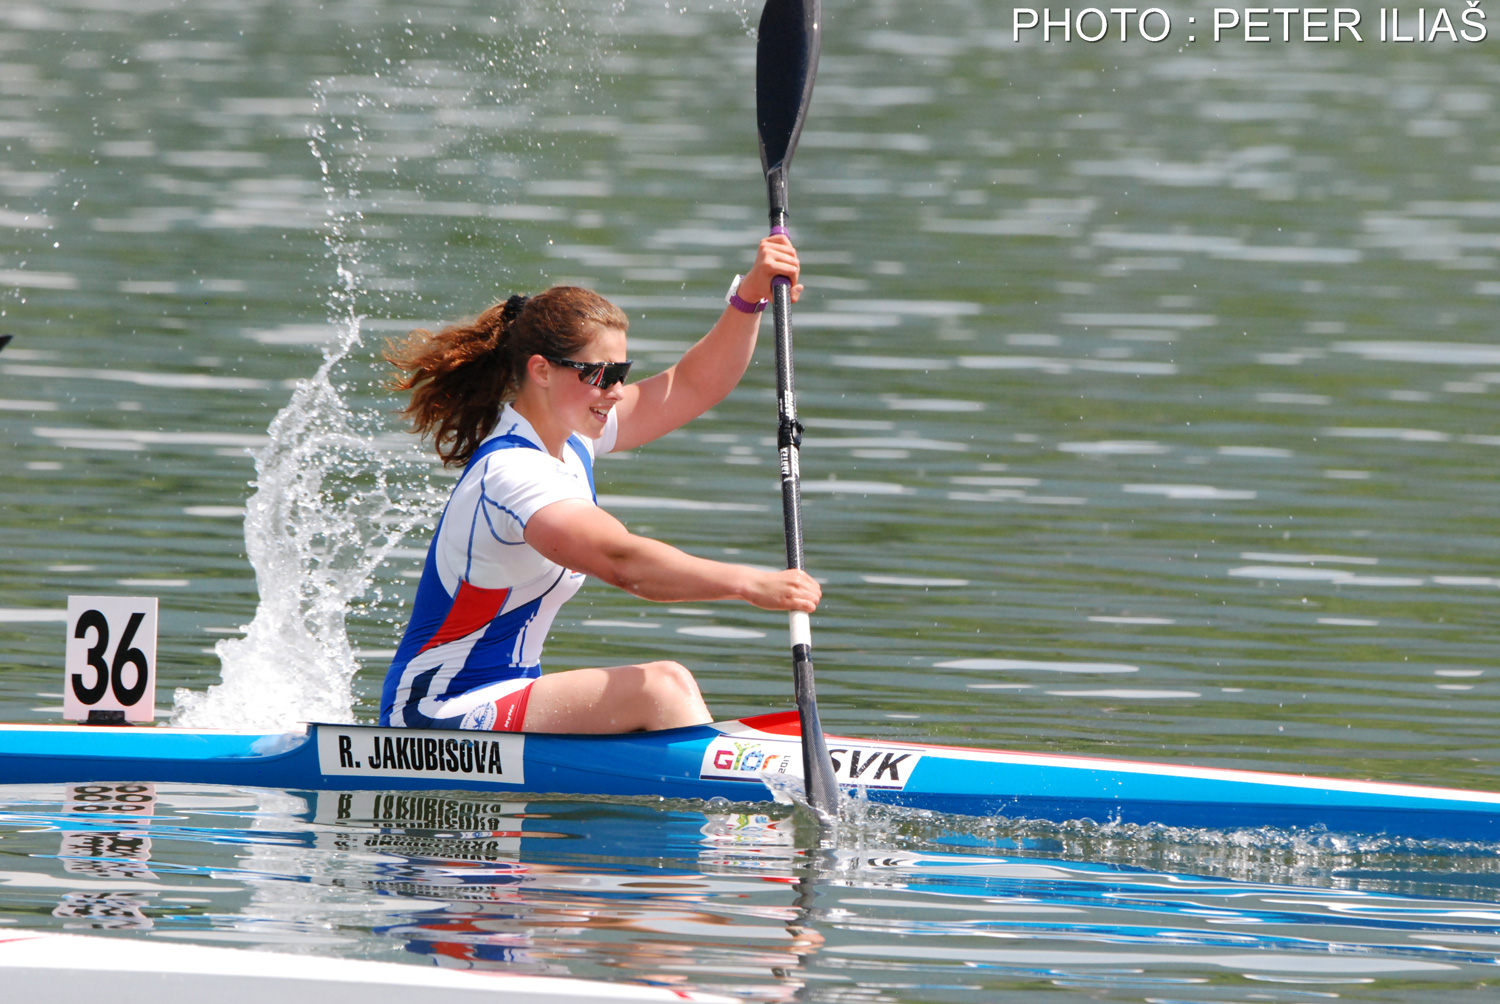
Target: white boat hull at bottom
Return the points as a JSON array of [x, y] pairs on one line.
[[42, 966], [730, 759]]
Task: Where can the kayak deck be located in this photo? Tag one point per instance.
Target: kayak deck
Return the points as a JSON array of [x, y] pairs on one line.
[[731, 760]]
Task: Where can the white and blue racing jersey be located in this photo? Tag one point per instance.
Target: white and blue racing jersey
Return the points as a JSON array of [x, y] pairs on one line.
[[486, 598]]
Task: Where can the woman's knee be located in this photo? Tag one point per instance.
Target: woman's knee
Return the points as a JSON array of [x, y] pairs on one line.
[[671, 697], [669, 678]]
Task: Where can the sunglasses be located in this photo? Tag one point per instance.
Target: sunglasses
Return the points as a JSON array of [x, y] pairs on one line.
[[601, 375]]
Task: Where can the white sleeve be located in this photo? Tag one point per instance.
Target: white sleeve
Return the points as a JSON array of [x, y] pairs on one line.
[[528, 480], [482, 538], [611, 435]]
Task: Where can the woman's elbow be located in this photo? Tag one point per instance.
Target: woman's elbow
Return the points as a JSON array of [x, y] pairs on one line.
[[619, 568], [612, 576]]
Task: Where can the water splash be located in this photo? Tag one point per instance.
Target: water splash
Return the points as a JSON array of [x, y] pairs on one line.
[[321, 520], [332, 495], [331, 500]]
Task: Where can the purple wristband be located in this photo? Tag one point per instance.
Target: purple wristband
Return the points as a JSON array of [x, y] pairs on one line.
[[744, 306]]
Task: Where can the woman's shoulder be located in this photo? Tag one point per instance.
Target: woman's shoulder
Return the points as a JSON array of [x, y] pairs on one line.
[[515, 459], [523, 470]]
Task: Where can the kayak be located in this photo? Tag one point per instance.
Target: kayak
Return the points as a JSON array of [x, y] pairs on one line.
[[745, 760]]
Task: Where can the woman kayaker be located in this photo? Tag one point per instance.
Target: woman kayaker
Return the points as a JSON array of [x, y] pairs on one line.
[[524, 397]]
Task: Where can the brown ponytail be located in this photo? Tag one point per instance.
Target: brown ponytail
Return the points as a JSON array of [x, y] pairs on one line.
[[464, 374]]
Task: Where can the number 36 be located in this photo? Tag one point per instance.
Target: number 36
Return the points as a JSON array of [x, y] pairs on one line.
[[110, 675]]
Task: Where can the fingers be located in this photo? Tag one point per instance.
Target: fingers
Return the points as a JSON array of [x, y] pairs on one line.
[[797, 590], [774, 257], [778, 242], [810, 589], [791, 589], [779, 256]]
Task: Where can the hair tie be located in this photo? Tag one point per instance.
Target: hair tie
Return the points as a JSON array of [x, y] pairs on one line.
[[513, 308]]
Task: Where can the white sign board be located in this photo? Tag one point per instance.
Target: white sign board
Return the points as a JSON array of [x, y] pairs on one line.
[[110, 663], [433, 754]]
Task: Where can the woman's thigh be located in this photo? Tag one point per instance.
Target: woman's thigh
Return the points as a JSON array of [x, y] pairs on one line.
[[492, 708], [653, 695]]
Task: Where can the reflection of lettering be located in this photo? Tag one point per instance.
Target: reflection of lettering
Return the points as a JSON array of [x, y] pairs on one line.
[[109, 853], [493, 849], [136, 799], [106, 854], [112, 910], [469, 817]]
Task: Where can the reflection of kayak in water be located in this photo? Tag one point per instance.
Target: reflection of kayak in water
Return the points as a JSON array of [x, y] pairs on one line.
[[735, 760], [39, 966]]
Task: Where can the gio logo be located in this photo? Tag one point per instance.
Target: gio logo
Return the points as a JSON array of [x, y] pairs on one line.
[[752, 757], [730, 759]]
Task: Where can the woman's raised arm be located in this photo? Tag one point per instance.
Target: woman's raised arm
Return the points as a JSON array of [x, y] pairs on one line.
[[709, 370]]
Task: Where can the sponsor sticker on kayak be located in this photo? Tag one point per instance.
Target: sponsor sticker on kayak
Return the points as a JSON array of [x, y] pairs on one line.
[[730, 758], [438, 755]]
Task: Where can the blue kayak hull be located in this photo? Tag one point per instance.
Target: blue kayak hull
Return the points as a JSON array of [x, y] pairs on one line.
[[734, 761]]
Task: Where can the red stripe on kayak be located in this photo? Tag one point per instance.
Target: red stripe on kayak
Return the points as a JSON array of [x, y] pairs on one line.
[[781, 723], [472, 609]]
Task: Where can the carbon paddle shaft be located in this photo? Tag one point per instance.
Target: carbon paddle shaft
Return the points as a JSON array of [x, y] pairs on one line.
[[817, 766], [786, 60]]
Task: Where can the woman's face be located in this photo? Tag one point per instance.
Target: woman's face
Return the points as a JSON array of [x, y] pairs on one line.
[[583, 408]]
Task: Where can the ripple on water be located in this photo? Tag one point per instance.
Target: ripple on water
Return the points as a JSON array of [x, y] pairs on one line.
[[1194, 492], [628, 890], [1048, 666]]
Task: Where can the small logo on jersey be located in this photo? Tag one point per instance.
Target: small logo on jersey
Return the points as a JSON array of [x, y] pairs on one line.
[[481, 719]]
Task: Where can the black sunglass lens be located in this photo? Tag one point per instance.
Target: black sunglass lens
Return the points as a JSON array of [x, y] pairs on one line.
[[615, 373], [602, 375]]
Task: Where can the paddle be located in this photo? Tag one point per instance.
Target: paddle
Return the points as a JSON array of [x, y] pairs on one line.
[[5, 340], [786, 60]]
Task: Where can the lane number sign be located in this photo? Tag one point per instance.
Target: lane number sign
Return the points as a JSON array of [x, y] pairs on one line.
[[110, 662]]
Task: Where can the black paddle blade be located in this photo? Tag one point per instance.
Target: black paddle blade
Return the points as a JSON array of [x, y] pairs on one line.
[[786, 60], [5, 340]]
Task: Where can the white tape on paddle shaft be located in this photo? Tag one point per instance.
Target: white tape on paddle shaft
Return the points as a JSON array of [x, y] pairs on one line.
[[109, 661], [801, 629]]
